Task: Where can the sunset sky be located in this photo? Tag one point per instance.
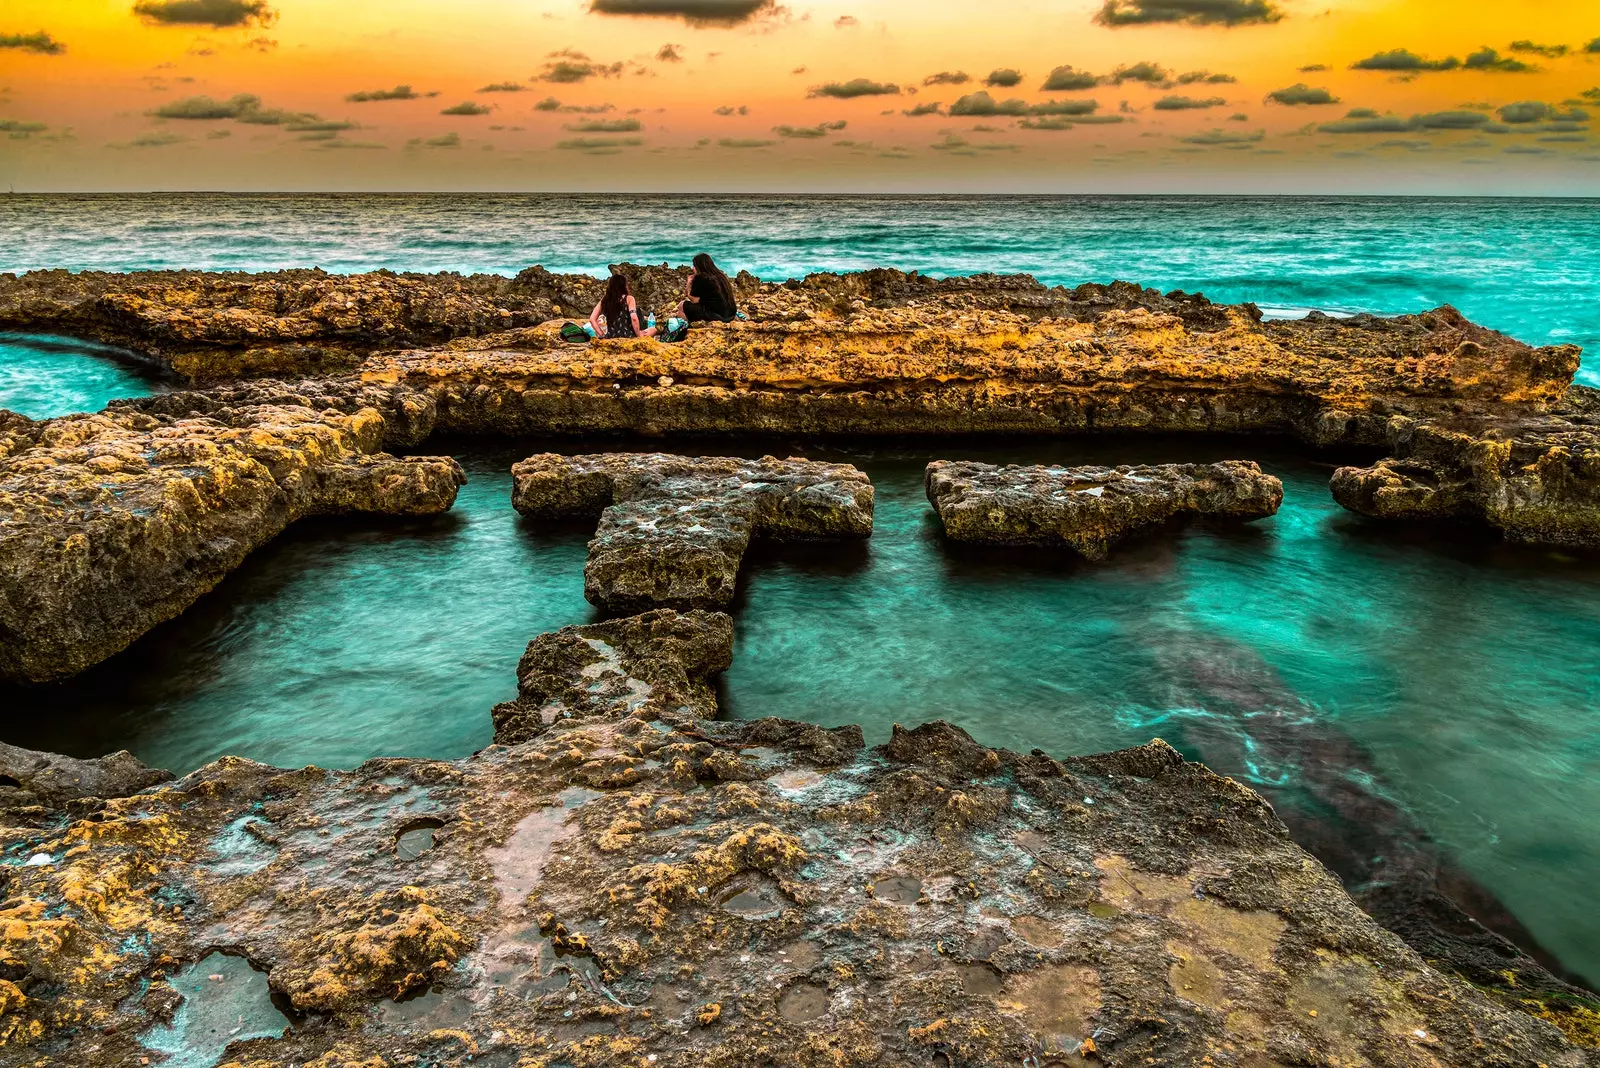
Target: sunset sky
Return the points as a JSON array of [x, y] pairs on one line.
[[1448, 96]]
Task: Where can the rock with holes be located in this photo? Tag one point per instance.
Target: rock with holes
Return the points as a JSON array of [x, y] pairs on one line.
[[113, 522], [1091, 508], [673, 529]]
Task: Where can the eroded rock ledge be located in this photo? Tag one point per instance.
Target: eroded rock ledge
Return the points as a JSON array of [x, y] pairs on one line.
[[1090, 509], [674, 529], [113, 522], [633, 882]]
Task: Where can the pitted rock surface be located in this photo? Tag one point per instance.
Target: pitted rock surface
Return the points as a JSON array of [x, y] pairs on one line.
[[657, 666], [624, 890], [1090, 509], [113, 522], [673, 529]]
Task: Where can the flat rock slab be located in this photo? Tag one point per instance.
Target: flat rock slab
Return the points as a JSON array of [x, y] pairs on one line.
[[673, 529], [113, 522], [623, 890], [1090, 508]]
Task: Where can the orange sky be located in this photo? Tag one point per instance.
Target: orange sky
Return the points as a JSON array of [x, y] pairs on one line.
[[83, 84]]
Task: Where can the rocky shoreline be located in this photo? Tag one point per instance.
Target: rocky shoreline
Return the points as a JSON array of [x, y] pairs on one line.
[[1182, 923], [624, 881]]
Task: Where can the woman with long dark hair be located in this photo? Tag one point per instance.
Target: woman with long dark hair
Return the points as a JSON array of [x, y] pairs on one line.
[[708, 295], [617, 315]]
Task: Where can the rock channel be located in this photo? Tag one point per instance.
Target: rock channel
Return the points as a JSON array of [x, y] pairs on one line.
[[673, 529], [1090, 509], [632, 884]]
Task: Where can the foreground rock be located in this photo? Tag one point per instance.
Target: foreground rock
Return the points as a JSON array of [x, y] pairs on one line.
[[111, 523], [625, 890], [1090, 508], [673, 529]]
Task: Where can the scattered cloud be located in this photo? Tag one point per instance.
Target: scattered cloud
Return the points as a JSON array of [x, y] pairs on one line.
[[1187, 103], [1149, 73], [1194, 76], [1405, 61], [1592, 46], [1077, 108], [218, 13], [399, 92], [18, 130], [1300, 95], [341, 143], [845, 22], [40, 43], [605, 126], [853, 88], [1526, 150], [1067, 79], [981, 103], [744, 142], [244, 107], [503, 87], [156, 140], [468, 107], [1487, 58], [669, 53], [1449, 120], [694, 12], [1548, 51], [1530, 111], [932, 107], [1003, 78], [1224, 137], [1192, 12], [1238, 116], [606, 146], [449, 140], [948, 77], [821, 129], [960, 146], [1365, 120], [568, 67], [1313, 68], [728, 110]]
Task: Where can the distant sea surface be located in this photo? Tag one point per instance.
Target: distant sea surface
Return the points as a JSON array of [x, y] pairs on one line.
[[1525, 266]]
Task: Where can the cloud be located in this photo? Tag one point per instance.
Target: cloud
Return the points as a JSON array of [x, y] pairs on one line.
[[1592, 46], [821, 129], [1313, 68], [744, 142], [399, 92], [568, 67], [449, 140], [932, 107], [1004, 78], [1077, 108], [845, 21], [1411, 145], [960, 146], [1529, 111], [1192, 12], [1365, 120], [1526, 150], [1238, 116], [468, 107], [242, 107], [1193, 76], [18, 130], [694, 12], [981, 103], [669, 53], [947, 77], [1300, 94], [1187, 103], [599, 145], [1487, 58], [1548, 51], [41, 43], [550, 103], [1449, 120], [1149, 73], [1224, 137], [853, 88], [1067, 79], [503, 87], [605, 126], [339, 143], [727, 109], [1404, 61], [219, 13]]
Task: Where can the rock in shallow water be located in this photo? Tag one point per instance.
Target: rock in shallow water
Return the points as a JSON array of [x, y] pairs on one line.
[[113, 522], [1090, 508], [621, 888], [673, 529]]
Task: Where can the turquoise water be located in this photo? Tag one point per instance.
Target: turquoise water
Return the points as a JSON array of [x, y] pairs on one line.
[[1525, 266], [43, 377]]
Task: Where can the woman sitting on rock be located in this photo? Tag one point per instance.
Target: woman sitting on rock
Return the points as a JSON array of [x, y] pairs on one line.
[[708, 295], [617, 315]]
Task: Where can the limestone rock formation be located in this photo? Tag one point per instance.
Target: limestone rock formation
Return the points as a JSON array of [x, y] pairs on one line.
[[113, 522], [657, 666], [627, 889], [30, 779], [673, 529], [1090, 508]]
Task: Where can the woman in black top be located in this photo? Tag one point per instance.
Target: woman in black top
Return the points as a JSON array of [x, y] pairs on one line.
[[617, 315], [708, 295]]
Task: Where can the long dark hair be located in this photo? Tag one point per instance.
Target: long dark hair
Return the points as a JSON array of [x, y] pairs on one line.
[[707, 268], [615, 302]]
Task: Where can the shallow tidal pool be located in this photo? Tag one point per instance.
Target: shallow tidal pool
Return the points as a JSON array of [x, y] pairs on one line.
[[1444, 680]]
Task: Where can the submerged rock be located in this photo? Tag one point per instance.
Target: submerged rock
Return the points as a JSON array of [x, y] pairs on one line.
[[673, 529], [111, 523], [627, 888], [1090, 508]]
